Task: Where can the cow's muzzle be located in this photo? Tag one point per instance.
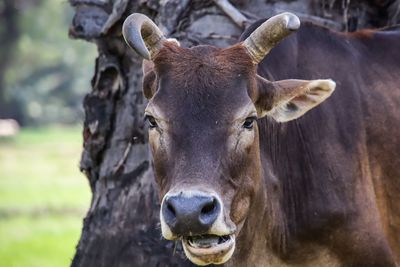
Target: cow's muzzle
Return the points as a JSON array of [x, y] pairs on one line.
[[190, 214], [197, 219]]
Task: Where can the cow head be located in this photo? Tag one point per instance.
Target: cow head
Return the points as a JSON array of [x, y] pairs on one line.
[[203, 107]]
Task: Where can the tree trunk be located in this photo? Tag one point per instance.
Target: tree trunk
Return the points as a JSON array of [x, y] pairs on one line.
[[121, 227], [9, 34]]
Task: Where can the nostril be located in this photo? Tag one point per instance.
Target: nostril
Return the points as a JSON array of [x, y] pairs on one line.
[[209, 207], [171, 209], [79, 28]]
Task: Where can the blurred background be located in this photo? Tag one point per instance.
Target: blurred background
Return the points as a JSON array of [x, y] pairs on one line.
[[43, 78]]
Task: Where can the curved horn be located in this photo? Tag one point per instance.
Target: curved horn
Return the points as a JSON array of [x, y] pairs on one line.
[[269, 34], [142, 35]]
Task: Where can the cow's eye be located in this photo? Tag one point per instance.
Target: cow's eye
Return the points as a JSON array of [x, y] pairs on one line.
[[249, 122], [151, 120]]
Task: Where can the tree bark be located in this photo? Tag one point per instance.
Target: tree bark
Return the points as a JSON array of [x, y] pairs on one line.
[[121, 227]]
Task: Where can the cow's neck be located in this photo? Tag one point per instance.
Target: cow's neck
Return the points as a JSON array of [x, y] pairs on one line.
[[252, 240], [264, 239], [302, 198]]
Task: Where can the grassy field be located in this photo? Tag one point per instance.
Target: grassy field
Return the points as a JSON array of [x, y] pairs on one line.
[[43, 197]]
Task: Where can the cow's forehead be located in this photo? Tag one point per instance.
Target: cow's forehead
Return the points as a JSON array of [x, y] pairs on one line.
[[191, 99], [203, 82]]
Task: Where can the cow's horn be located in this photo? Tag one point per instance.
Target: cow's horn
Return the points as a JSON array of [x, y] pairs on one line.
[[142, 35], [269, 34]]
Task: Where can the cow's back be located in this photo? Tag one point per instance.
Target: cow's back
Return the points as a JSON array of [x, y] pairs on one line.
[[338, 162]]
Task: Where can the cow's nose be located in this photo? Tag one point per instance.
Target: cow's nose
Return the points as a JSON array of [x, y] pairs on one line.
[[192, 215]]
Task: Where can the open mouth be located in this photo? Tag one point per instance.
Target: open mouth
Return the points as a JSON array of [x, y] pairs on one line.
[[207, 241], [208, 249]]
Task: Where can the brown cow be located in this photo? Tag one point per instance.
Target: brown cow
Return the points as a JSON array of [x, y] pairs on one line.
[[244, 178]]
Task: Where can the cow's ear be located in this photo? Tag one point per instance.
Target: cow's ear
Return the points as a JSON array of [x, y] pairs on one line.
[[287, 100], [149, 79]]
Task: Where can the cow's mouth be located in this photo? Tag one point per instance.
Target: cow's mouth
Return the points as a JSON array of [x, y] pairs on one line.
[[208, 249]]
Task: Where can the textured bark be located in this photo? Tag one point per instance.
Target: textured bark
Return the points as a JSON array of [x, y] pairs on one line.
[[122, 228]]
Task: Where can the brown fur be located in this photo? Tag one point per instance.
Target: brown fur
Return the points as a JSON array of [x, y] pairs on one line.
[[322, 190], [185, 62]]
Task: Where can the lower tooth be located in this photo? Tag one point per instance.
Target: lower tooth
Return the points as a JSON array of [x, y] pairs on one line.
[[206, 241], [192, 244]]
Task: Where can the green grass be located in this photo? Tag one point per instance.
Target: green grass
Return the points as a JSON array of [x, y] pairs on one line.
[[38, 241], [43, 197]]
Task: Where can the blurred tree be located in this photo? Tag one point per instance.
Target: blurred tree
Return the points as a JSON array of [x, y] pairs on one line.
[[9, 33], [121, 228], [41, 69]]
